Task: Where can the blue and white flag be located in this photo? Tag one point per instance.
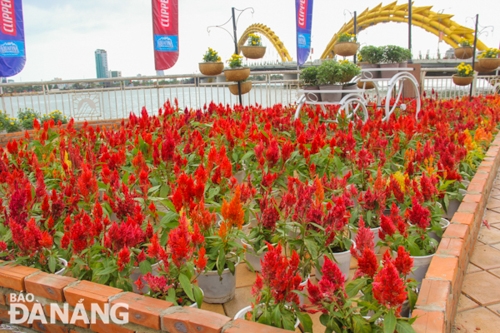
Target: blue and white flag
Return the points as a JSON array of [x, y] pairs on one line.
[[304, 15], [12, 47]]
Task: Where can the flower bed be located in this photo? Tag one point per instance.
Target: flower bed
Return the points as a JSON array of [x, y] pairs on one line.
[[110, 200]]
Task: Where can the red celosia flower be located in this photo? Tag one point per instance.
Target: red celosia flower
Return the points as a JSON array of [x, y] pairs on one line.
[[419, 215], [403, 261], [387, 227], [367, 263], [364, 239], [179, 242], [388, 287], [123, 258]]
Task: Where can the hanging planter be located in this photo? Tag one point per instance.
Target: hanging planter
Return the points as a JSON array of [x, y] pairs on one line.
[[237, 74], [253, 52], [245, 87], [346, 49], [489, 64], [462, 80], [464, 52], [211, 68]]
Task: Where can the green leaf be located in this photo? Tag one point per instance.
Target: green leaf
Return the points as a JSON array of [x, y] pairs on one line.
[[305, 320], [52, 264], [107, 270], [389, 322], [402, 326], [353, 287], [145, 267], [186, 286], [360, 324], [171, 296], [198, 295]]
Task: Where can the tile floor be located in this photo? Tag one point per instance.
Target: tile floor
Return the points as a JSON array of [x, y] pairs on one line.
[[479, 302]]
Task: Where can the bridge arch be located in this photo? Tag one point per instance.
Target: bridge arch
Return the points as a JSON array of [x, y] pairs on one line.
[[270, 35], [422, 17]]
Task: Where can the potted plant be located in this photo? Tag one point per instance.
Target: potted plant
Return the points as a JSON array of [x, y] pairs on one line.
[[349, 70], [346, 45], [254, 48], [464, 75], [309, 78], [212, 64], [411, 232], [180, 264], [218, 281], [370, 57], [330, 78], [489, 60], [236, 71], [391, 58], [464, 49], [30, 245], [275, 291], [383, 290]]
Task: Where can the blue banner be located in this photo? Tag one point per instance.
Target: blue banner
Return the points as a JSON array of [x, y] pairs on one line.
[[12, 48], [303, 9]]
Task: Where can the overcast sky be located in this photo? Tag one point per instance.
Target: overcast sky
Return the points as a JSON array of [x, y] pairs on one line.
[[62, 35]]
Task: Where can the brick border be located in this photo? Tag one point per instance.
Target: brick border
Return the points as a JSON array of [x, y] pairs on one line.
[[145, 314], [438, 298]]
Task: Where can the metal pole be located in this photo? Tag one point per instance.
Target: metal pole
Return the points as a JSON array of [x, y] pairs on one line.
[[355, 33], [409, 25], [235, 37], [474, 54]]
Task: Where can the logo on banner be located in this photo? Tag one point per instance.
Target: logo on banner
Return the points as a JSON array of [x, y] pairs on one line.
[[8, 18], [166, 43], [11, 49], [302, 14], [304, 41]]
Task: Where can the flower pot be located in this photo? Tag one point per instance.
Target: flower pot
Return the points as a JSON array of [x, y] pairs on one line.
[[343, 260], [388, 73], [218, 289], [366, 85], [64, 263], [253, 52], [237, 74], [453, 205], [403, 64], [444, 223], [349, 88], [464, 52], [252, 257], [478, 68], [331, 97], [462, 80], [420, 267], [245, 87], [136, 274], [242, 315], [313, 97], [211, 68], [345, 49], [489, 63]]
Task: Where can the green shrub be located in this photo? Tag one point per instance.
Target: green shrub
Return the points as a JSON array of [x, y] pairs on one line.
[[26, 117]]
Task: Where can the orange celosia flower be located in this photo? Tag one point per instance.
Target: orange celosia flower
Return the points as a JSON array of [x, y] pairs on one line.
[[232, 212]]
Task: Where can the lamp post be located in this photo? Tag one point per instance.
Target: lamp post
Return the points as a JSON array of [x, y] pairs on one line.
[[234, 35]]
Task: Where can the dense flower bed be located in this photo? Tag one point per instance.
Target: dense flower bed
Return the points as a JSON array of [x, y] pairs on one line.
[[177, 188]]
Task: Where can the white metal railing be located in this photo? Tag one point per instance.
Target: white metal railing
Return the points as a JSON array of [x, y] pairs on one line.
[[444, 87], [112, 98]]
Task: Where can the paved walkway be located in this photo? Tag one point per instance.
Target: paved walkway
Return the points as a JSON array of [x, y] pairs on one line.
[[479, 303]]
